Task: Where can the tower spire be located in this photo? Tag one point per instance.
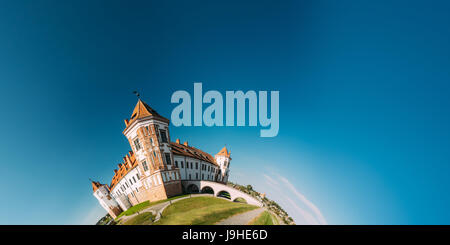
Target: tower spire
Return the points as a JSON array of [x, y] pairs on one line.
[[137, 94]]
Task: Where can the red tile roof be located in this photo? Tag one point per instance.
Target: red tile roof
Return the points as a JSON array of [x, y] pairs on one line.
[[142, 110], [189, 151], [224, 152], [95, 185], [129, 163]]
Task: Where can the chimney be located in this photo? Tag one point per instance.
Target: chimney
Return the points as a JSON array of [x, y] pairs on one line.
[[126, 122], [185, 143], [178, 141]]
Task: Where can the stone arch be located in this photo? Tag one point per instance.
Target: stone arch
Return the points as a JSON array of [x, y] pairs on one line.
[[208, 189], [240, 199], [219, 189], [224, 194], [192, 188]]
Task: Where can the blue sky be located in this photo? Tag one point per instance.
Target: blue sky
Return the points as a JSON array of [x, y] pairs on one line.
[[364, 108]]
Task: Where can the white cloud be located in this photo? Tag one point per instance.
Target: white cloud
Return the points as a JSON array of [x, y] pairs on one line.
[[270, 180], [309, 218], [294, 208], [304, 200]]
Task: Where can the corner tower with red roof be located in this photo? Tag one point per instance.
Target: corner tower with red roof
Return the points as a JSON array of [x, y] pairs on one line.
[[149, 138], [155, 167], [102, 193], [223, 159]]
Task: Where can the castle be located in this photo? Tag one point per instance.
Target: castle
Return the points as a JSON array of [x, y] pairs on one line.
[[155, 167]]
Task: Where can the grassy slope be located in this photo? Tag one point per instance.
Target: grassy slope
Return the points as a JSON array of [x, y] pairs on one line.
[[143, 205], [265, 218], [201, 211], [140, 219]]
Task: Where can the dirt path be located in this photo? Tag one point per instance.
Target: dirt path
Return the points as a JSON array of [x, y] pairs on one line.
[[241, 219]]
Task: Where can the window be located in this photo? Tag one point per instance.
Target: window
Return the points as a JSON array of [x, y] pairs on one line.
[[190, 176], [164, 177], [131, 182], [127, 184], [196, 165], [151, 141], [137, 145], [134, 179], [145, 166], [168, 160], [196, 175], [182, 165], [137, 176], [203, 176], [163, 136], [159, 179], [176, 164]]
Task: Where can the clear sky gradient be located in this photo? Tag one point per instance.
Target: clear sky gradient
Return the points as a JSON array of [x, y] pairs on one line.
[[364, 101]]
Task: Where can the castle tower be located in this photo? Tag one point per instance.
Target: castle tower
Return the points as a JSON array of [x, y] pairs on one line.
[[223, 159], [149, 138], [101, 192]]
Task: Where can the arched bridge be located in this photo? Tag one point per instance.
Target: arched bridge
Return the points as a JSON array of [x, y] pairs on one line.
[[218, 190]]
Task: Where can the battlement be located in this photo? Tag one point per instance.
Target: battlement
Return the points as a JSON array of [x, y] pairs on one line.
[[129, 162]]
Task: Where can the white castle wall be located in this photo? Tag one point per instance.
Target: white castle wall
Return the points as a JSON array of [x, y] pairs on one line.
[[131, 133], [129, 183], [195, 173]]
